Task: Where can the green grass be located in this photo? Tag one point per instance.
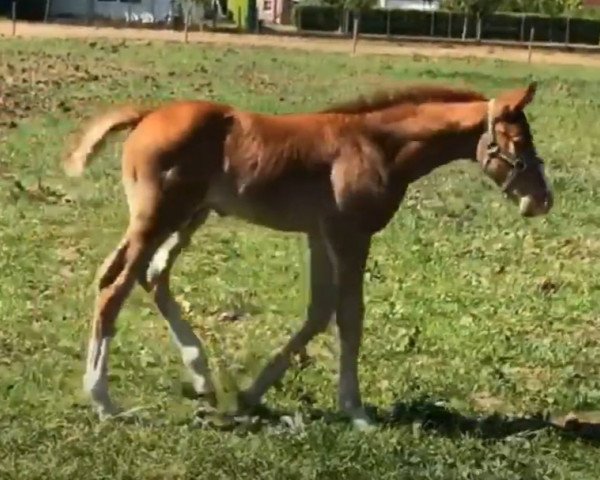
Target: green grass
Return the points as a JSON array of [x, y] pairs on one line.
[[493, 317]]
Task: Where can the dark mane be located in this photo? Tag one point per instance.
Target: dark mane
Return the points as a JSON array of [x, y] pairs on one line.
[[415, 94]]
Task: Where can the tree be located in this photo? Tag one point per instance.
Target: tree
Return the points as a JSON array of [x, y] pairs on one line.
[[481, 8], [568, 9], [456, 6], [191, 8], [357, 7], [354, 6], [477, 8]]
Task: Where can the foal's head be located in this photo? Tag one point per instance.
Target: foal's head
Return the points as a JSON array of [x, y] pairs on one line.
[[499, 137], [508, 155]]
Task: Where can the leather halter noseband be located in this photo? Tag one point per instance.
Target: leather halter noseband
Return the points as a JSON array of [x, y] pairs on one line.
[[518, 163]]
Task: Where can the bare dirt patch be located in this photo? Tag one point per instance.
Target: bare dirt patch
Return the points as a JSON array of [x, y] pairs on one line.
[[45, 82], [365, 46]]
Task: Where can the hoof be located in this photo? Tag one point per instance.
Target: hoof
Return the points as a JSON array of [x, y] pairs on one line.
[[364, 424], [249, 407], [106, 412], [247, 404], [361, 420]]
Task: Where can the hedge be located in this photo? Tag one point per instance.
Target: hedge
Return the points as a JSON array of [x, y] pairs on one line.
[[26, 9], [499, 26]]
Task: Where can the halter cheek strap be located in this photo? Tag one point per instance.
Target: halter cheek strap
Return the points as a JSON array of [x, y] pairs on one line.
[[492, 148]]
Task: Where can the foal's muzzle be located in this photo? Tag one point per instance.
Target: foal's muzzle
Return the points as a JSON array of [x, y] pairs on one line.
[[536, 205]]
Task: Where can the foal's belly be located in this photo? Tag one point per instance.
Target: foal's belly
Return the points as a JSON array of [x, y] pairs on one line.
[[292, 207]]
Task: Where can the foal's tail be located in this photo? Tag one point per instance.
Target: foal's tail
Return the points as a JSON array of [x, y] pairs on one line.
[[93, 137]]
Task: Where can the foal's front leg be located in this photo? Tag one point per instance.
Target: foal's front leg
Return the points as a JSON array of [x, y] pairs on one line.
[[320, 313], [350, 254]]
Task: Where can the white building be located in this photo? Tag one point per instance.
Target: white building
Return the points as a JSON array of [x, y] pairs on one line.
[[427, 5], [144, 10]]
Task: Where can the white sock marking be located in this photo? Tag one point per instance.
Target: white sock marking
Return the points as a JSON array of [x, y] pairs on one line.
[[161, 257], [95, 380]]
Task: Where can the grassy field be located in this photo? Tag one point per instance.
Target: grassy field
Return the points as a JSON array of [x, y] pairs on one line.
[[480, 324]]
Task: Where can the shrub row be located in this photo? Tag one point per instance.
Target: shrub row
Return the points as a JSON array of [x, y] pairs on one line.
[[499, 26], [26, 9]]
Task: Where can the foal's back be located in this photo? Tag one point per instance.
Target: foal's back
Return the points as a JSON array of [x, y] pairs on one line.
[[267, 169]]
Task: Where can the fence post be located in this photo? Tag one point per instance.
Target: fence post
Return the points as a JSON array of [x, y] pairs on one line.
[[530, 49], [478, 27], [14, 17], [568, 30], [450, 24]]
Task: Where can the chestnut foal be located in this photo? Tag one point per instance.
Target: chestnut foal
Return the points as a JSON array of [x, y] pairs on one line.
[[338, 176]]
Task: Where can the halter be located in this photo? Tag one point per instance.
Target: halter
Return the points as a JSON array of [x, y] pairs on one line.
[[518, 163]]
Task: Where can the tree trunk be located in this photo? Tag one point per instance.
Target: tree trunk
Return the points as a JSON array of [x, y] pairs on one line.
[[449, 24], [432, 25], [478, 27], [522, 36], [465, 26], [388, 26], [186, 22], [530, 48], [47, 10], [355, 26], [568, 30], [346, 22], [90, 12], [14, 17]]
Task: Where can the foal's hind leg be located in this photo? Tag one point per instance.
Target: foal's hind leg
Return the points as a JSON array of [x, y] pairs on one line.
[[115, 281], [157, 276]]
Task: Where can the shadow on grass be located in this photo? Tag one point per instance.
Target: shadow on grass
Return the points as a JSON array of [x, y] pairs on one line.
[[427, 415], [436, 417]]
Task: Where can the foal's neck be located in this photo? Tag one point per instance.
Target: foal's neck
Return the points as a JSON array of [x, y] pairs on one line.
[[416, 159], [432, 135]]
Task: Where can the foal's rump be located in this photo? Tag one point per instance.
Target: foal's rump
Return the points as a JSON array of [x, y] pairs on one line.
[[177, 127]]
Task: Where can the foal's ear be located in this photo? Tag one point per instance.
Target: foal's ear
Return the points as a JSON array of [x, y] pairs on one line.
[[516, 100]]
